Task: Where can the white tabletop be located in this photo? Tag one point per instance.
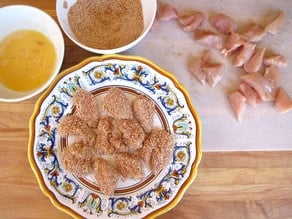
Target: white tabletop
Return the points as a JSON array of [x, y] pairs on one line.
[[262, 127]]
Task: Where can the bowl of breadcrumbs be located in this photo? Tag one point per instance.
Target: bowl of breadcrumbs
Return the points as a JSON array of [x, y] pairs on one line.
[[106, 26]]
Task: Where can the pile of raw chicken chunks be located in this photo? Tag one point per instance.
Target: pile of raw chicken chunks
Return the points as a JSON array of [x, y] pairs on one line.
[[260, 82]]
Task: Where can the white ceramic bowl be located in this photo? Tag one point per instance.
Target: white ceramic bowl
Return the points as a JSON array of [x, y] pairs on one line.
[[19, 17], [149, 12]]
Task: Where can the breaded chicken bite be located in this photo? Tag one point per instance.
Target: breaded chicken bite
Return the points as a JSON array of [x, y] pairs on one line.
[[106, 176], [86, 107], [130, 165], [116, 105], [103, 132], [77, 159], [152, 140], [74, 126], [160, 157], [162, 151], [132, 134], [102, 144], [157, 149], [143, 109]]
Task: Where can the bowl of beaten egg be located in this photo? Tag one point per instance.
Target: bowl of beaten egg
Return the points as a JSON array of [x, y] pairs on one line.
[[106, 26], [31, 52]]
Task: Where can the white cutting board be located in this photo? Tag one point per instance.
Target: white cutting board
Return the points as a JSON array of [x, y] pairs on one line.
[[262, 127]]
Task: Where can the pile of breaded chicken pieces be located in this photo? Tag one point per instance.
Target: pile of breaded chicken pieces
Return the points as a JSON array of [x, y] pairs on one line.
[[117, 128]]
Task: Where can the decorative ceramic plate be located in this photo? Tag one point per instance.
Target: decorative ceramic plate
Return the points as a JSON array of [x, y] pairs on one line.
[[148, 197]]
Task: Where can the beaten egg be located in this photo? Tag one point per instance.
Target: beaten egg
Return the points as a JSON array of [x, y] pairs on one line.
[[27, 60]]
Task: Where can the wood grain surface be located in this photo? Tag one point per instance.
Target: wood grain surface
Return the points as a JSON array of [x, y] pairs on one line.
[[228, 185]]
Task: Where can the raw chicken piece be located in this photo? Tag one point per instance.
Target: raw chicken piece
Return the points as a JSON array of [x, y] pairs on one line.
[[222, 23], [196, 66], [208, 39], [263, 86], [272, 73], [276, 59], [238, 104], [191, 22], [276, 24], [252, 97], [155, 24], [255, 62], [166, 12], [206, 57], [244, 54], [234, 41], [254, 32], [283, 102], [213, 72]]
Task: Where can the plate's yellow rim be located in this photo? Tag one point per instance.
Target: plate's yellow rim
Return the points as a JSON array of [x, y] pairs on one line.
[[194, 169]]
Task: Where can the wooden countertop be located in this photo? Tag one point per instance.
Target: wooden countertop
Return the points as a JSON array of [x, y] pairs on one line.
[[228, 184]]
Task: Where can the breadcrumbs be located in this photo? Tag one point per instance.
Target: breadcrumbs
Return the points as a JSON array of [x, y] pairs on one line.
[[106, 24], [143, 109]]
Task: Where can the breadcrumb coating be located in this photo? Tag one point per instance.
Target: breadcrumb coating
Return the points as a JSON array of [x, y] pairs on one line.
[[130, 165], [73, 125], [102, 144], [106, 176], [159, 159], [156, 149], [162, 151], [143, 109], [77, 159], [116, 105], [86, 107], [132, 133], [146, 149]]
